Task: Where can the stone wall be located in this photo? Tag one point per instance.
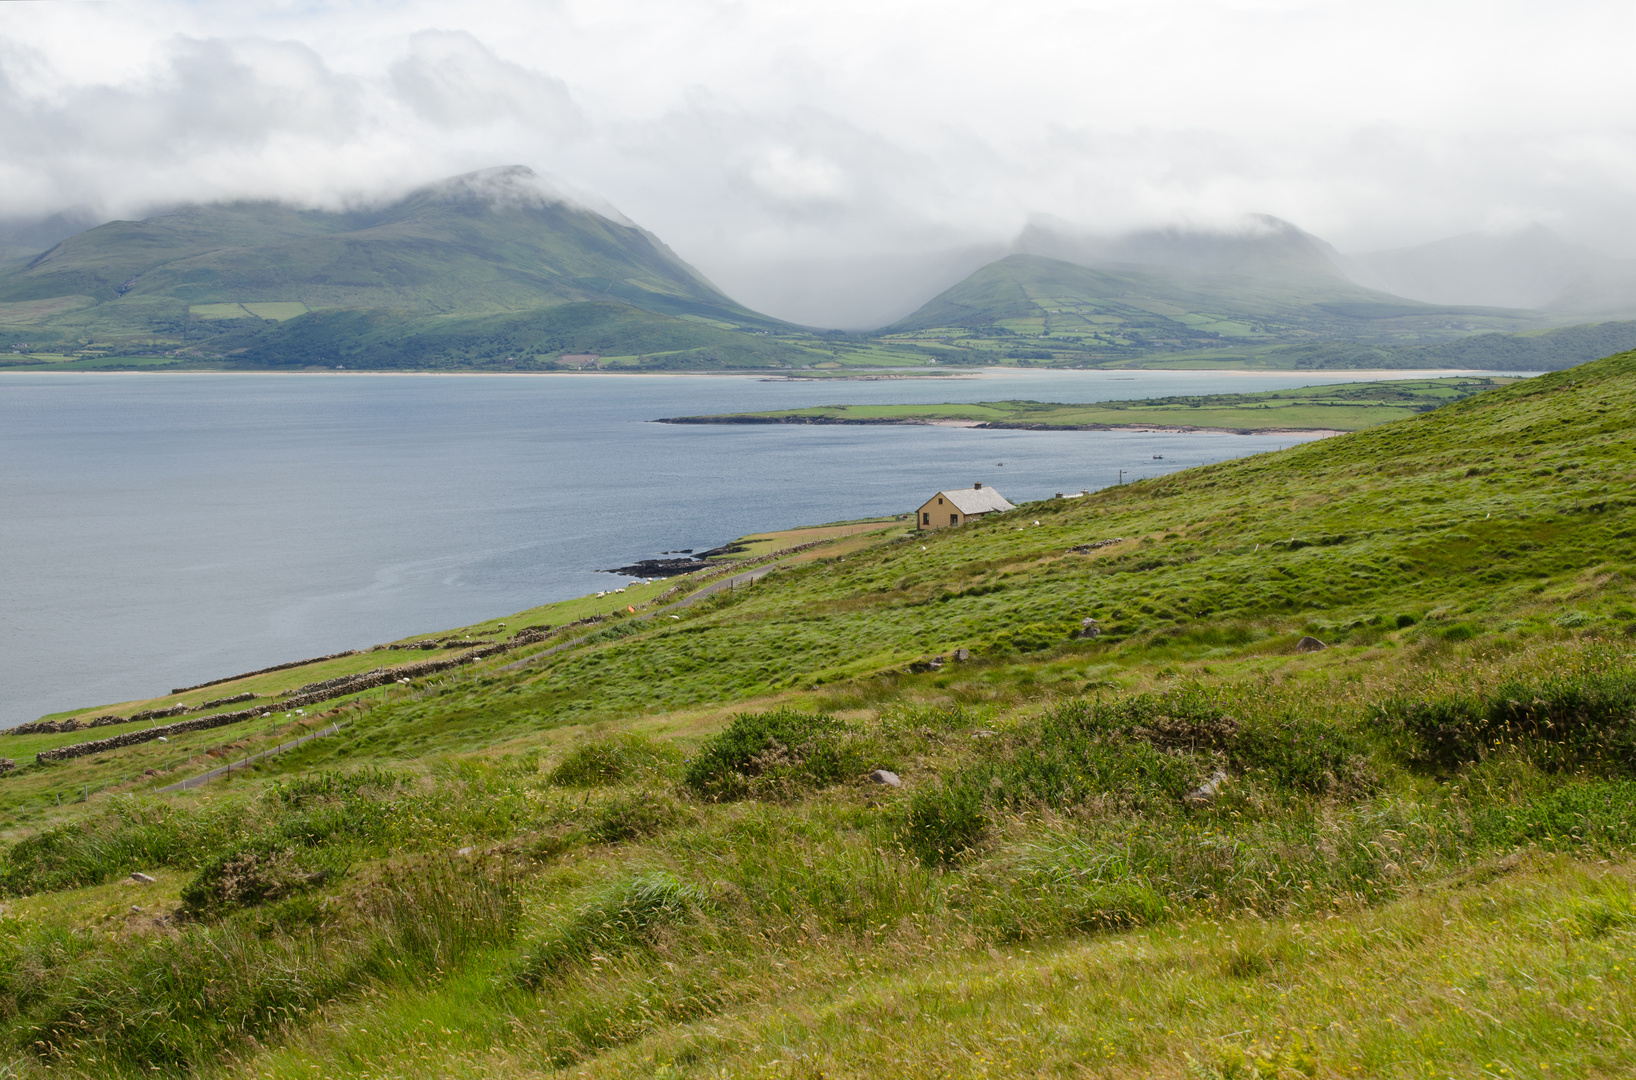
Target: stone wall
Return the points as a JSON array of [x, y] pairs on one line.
[[331, 688], [265, 670]]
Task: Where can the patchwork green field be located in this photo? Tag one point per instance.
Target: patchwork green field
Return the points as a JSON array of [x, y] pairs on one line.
[[1140, 826]]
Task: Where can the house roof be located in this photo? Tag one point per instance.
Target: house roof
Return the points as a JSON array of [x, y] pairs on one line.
[[983, 500]]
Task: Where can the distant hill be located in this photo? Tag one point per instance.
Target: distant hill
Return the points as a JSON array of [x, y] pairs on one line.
[[1541, 350], [498, 240], [1032, 304], [498, 268], [281, 284], [23, 238], [1260, 246], [1264, 291]]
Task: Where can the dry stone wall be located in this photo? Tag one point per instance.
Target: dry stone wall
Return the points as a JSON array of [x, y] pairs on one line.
[[265, 670], [315, 692]]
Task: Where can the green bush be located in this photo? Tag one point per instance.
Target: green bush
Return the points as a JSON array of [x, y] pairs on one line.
[[945, 823], [773, 753], [257, 873], [1072, 905], [367, 781], [632, 816], [181, 1002], [1141, 754], [610, 760], [129, 835], [1567, 722], [613, 922], [1030, 637], [1597, 814]]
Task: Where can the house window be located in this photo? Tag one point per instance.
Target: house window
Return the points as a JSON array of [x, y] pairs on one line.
[[954, 519], [925, 519]]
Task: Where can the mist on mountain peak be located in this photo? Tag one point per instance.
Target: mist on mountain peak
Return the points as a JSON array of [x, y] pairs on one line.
[[1255, 245]]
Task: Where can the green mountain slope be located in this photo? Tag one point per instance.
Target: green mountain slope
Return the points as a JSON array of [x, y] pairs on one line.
[[622, 334], [1535, 350], [486, 242], [1139, 827], [421, 272], [1026, 304]]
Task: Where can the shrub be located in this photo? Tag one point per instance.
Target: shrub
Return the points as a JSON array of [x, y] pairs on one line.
[[773, 752], [943, 824], [1566, 722], [1291, 752], [1142, 754], [128, 835], [632, 816], [178, 1003], [613, 922], [1593, 814], [327, 784], [610, 760], [1031, 637], [1070, 905], [247, 876]]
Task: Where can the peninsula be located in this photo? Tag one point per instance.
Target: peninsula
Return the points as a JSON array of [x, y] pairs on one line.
[[1343, 407]]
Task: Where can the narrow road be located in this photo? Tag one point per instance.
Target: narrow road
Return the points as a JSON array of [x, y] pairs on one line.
[[748, 577]]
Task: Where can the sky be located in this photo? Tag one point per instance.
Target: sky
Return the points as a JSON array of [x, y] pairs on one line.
[[821, 157]]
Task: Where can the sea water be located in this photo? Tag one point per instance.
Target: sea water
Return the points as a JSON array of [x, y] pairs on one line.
[[157, 530]]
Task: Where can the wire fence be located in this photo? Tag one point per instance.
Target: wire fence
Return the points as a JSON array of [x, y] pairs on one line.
[[223, 770]]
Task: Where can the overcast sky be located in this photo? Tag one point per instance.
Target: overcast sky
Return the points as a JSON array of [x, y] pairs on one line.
[[765, 139]]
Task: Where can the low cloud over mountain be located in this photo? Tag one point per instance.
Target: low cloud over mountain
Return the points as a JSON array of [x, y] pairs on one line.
[[858, 151]]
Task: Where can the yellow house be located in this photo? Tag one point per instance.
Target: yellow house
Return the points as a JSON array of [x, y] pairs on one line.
[[958, 507]]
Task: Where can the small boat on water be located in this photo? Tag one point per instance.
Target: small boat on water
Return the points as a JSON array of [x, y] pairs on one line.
[[1158, 457]]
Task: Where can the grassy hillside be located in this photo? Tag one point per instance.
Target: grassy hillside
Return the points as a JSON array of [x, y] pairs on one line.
[[1179, 846], [1340, 407], [1041, 303], [486, 242], [469, 271], [1034, 310], [492, 270], [1534, 350]]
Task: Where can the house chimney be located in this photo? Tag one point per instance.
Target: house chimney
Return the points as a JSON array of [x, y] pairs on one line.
[[977, 486]]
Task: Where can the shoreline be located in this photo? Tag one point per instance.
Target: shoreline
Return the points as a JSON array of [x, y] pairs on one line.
[[774, 375], [992, 425]]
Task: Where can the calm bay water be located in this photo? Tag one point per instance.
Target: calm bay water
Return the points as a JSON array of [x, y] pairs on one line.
[[159, 530]]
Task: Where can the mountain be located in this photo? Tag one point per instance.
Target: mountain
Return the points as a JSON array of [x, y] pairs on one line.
[[1033, 307], [1265, 290], [23, 238], [1259, 246], [498, 240], [242, 278]]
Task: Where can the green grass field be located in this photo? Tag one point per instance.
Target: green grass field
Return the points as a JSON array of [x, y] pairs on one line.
[[1178, 847], [1344, 407]]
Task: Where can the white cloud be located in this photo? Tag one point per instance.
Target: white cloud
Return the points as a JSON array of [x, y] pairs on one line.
[[758, 138], [452, 80]]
